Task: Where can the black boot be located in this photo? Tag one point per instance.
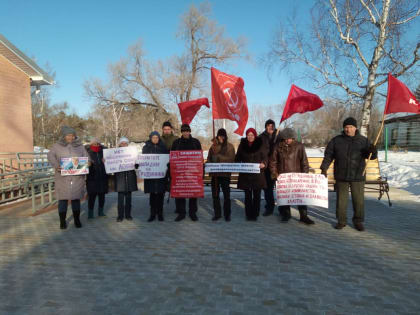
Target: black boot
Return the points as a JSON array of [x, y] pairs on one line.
[[63, 223], [304, 217], [267, 212], [160, 214], [76, 217], [152, 215], [285, 215], [101, 212], [90, 214], [180, 217], [217, 209]]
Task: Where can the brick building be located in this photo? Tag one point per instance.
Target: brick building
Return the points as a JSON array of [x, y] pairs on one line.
[[17, 74]]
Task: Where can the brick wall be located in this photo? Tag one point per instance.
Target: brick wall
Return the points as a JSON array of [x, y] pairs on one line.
[[15, 109]]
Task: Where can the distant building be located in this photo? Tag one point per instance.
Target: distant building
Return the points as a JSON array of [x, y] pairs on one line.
[[404, 132], [17, 74]]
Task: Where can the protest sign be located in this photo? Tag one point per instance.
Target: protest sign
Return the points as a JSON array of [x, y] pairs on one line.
[[120, 159], [233, 168], [302, 189], [186, 174], [153, 165], [74, 166]]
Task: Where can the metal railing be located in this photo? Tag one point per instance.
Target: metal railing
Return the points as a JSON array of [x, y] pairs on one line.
[[26, 175]]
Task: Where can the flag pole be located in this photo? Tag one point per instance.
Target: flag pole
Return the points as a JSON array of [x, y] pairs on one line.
[[376, 141]]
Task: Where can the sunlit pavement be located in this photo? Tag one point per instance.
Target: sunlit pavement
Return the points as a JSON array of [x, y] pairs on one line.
[[207, 267]]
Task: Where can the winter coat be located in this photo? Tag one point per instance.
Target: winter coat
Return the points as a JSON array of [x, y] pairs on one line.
[[168, 140], [126, 181], [288, 159], [219, 153], [251, 154], [69, 187], [182, 144], [97, 179], [349, 154], [269, 142], [158, 185]]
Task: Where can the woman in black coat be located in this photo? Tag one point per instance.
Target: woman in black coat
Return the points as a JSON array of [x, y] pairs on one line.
[[97, 179], [156, 187], [125, 184], [251, 150]]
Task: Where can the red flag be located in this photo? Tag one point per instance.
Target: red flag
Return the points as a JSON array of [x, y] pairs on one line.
[[229, 99], [399, 98], [300, 101], [190, 108]]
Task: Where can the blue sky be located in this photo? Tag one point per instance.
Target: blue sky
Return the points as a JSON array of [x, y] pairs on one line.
[[80, 38]]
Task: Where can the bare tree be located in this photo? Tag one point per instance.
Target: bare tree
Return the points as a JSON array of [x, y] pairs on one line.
[[352, 44], [206, 46]]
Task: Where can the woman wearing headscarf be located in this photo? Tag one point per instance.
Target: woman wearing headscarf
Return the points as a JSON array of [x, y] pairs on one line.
[[251, 150], [70, 187], [97, 179], [156, 187], [125, 184]]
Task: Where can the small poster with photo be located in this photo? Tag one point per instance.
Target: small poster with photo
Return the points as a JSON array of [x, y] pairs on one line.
[[74, 166]]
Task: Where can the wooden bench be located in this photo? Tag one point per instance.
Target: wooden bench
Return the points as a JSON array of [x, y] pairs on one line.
[[374, 180]]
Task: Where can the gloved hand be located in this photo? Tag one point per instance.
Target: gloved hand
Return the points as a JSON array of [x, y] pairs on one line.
[[324, 172], [372, 149]]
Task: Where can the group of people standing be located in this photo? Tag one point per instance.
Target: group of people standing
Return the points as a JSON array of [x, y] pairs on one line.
[[275, 153]]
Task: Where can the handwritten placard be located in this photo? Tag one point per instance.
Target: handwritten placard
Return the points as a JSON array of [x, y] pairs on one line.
[[302, 189], [120, 159], [152, 165]]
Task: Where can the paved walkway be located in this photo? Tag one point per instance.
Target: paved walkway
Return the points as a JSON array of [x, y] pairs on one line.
[[212, 267]]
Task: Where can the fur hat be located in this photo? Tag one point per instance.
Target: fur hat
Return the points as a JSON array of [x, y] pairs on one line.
[[288, 133], [350, 121]]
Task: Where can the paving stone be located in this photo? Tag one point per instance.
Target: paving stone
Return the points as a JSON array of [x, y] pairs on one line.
[[206, 267]]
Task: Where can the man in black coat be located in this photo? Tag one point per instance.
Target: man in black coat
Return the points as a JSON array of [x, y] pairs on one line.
[[349, 151], [269, 139], [186, 143]]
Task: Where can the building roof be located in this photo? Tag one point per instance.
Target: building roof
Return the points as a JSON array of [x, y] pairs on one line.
[[411, 117], [24, 63]]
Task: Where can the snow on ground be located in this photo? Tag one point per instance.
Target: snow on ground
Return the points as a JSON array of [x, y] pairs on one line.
[[402, 169]]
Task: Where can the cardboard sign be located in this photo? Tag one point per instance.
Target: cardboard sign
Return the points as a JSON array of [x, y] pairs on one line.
[[302, 189], [153, 165], [120, 159], [233, 168], [74, 166], [186, 174]]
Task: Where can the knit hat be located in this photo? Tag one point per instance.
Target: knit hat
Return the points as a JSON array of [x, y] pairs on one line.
[[66, 130], [166, 124], [154, 133], [252, 130], [185, 127], [288, 133], [222, 132], [350, 121], [270, 122], [123, 139]]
